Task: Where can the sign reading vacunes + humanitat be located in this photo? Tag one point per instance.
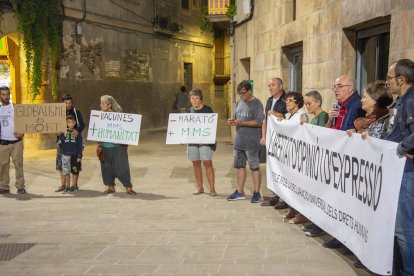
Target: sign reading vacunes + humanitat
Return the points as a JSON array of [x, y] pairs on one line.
[[114, 127]]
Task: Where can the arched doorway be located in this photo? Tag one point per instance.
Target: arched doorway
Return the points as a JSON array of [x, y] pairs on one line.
[[10, 66]]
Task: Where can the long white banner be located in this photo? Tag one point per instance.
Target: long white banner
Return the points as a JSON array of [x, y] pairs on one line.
[[192, 128], [346, 185]]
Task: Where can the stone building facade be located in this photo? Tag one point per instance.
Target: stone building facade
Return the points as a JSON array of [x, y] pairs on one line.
[[308, 43], [139, 51]]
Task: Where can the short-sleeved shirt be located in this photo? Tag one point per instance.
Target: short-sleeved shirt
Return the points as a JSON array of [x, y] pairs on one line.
[[248, 138], [182, 99], [7, 123], [321, 119], [204, 109]]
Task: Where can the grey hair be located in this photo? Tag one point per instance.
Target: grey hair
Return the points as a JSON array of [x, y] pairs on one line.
[[315, 95], [111, 100], [352, 82], [197, 92], [405, 68], [279, 80]]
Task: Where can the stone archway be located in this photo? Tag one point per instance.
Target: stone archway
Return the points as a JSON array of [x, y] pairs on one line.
[[12, 70], [15, 57]]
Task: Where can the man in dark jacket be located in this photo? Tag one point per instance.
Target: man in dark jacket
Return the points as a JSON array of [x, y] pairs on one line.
[[342, 117], [400, 80], [349, 106], [275, 105]]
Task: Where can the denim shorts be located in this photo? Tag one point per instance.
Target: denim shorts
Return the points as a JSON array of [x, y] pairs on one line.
[[241, 156], [70, 165], [199, 152]]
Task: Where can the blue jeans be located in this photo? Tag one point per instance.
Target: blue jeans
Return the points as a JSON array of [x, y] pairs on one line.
[[404, 226]]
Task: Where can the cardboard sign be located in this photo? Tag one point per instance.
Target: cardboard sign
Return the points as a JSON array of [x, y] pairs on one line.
[[40, 118], [192, 128], [114, 127]]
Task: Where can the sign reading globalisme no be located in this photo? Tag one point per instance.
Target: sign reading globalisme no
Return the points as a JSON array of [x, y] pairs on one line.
[[114, 127]]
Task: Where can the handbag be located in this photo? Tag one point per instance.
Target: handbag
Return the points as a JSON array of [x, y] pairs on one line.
[[100, 153]]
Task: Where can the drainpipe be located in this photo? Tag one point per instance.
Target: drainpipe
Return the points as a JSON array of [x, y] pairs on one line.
[[78, 30], [247, 18], [232, 28]]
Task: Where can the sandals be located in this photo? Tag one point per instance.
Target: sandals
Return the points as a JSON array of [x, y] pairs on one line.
[[198, 193], [110, 190], [60, 189], [130, 191]]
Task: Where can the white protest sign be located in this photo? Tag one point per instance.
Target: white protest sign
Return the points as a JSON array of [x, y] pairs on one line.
[[348, 186], [192, 128], [114, 127], [40, 118]]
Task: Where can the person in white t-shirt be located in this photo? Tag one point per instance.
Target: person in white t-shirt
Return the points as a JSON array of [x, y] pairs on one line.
[[11, 146]]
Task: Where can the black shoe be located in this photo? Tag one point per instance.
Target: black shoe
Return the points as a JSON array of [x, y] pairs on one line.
[[358, 264], [281, 205], [74, 189], [306, 228], [334, 243], [271, 202], [4, 191], [21, 191], [314, 231]]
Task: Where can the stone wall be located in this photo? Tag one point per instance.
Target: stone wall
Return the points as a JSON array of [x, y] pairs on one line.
[[326, 31], [120, 53]]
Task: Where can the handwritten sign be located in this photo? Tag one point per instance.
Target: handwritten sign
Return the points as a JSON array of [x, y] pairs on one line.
[[192, 128], [341, 183], [114, 127], [40, 118]]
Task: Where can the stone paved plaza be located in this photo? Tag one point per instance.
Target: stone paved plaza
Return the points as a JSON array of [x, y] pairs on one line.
[[164, 230]]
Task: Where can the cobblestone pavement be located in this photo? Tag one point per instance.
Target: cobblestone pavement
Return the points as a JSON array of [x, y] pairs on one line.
[[164, 230]]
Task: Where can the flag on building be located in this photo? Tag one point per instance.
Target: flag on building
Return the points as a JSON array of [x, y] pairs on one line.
[[218, 6]]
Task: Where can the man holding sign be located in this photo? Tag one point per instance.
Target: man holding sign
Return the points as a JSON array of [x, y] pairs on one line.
[[247, 119], [201, 152], [11, 146]]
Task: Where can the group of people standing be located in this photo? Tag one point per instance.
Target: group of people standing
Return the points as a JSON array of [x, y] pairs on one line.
[[372, 115], [369, 115], [113, 157]]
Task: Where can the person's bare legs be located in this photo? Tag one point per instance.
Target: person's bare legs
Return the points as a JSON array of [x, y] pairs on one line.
[[62, 179], [75, 180], [208, 165], [241, 179], [67, 180], [62, 182], [198, 175], [257, 180]]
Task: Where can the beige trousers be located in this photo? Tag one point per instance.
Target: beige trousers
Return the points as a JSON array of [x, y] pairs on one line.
[[15, 152]]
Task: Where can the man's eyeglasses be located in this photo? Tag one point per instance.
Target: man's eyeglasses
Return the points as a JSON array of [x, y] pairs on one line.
[[241, 92], [339, 86], [390, 78], [288, 100]]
